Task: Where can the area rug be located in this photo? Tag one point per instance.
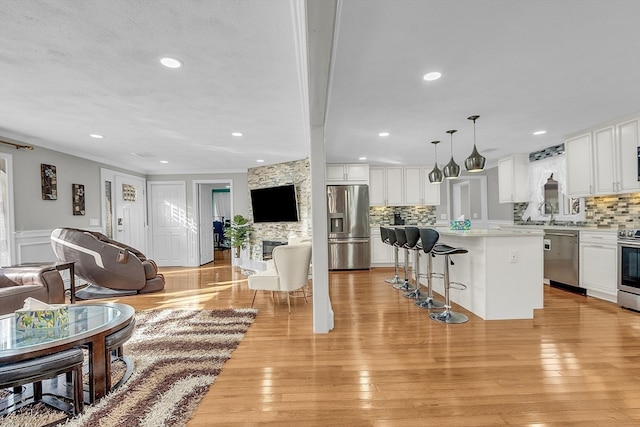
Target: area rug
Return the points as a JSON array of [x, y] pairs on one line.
[[177, 354]]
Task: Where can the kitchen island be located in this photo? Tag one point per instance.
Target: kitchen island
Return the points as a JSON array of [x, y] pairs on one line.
[[503, 271]]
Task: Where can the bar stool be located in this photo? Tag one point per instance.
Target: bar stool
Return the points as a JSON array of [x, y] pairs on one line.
[[401, 242], [429, 238], [393, 241], [448, 316], [413, 243]]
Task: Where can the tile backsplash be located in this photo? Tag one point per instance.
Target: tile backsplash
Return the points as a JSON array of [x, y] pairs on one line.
[[412, 215], [616, 211]]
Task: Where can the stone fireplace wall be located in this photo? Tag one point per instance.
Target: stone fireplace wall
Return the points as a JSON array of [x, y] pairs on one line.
[[297, 173]]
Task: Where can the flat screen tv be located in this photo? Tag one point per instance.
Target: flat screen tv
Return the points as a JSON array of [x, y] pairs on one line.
[[275, 204]]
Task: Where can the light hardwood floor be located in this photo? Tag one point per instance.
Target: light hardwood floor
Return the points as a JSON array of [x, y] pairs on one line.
[[577, 363]]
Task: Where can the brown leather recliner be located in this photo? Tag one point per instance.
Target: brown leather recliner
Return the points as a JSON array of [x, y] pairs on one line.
[[104, 262], [19, 283]]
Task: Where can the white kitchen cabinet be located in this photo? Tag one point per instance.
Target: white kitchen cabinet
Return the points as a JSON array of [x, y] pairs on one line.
[[627, 143], [413, 194], [598, 261], [603, 160], [513, 178], [393, 186], [430, 192], [352, 173], [579, 164], [377, 193], [402, 186], [381, 254]]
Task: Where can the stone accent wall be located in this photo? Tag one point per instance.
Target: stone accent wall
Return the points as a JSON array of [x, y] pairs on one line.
[[412, 215], [297, 173]]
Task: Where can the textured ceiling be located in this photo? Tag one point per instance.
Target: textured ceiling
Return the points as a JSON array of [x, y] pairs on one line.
[[72, 68], [521, 66]]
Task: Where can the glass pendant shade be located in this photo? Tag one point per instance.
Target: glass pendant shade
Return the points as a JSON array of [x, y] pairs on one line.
[[451, 169], [475, 162], [435, 176]]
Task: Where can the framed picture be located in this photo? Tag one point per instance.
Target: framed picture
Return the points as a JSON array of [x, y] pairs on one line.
[[49, 182], [78, 198]]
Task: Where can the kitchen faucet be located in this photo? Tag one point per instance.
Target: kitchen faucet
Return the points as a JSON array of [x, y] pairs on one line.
[[541, 209]]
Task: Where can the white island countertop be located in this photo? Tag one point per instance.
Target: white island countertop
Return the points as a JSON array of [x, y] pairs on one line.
[[491, 232], [503, 271]]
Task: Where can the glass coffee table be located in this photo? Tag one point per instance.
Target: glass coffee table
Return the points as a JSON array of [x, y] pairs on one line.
[[89, 324]]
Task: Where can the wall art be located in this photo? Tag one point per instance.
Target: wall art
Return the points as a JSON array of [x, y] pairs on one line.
[[49, 182], [78, 198]]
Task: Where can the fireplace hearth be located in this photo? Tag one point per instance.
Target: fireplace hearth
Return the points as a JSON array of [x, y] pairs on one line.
[[267, 248]]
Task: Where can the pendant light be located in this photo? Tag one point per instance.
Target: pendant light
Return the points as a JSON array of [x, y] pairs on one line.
[[475, 162], [451, 170], [435, 176]]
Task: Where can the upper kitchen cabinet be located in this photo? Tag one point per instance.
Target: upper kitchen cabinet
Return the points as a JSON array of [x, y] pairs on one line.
[[627, 143], [401, 186], [604, 160], [579, 165], [352, 173], [513, 178]]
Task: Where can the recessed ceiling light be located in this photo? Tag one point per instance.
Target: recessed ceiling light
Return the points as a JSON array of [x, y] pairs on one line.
[[236, 133], [260, 161], [227, 186], [383, 134], [432, 76], [95, 135], [164, 161], [540, 132], [171, 62], [362, 158]]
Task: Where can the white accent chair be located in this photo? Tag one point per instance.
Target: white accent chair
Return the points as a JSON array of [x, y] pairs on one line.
[[289, 272]]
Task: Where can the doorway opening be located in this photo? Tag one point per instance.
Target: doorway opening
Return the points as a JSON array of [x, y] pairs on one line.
[[214, 201]]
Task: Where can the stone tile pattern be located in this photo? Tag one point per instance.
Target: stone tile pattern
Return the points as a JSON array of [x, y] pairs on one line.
[[412, 215], [618, 210], [547, 152], [296, 172]]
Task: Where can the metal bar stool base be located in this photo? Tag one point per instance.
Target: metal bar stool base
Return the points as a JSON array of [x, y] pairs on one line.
[[429, 303], [405, 286], [415, 294], [449, 317], [394, 280]]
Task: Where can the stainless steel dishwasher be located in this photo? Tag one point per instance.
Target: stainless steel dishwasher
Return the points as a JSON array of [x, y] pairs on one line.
[[562, 258]]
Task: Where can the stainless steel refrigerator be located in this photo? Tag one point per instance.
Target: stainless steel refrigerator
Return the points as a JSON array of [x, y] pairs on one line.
[[349, 233]]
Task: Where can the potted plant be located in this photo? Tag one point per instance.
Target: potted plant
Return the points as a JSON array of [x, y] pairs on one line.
[[239, 233]]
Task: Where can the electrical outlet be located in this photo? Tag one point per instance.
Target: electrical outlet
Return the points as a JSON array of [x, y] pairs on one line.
[[475, 215], [513, 256], [94, 221], [443, 216]]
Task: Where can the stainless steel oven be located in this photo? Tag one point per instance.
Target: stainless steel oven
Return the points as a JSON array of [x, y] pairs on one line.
[[629, 269]]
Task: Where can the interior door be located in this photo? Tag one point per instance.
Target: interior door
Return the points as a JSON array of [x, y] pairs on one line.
[[129, 208], [169, 223], [206, 223]]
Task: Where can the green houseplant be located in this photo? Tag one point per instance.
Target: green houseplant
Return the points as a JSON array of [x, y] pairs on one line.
[[239, 233]]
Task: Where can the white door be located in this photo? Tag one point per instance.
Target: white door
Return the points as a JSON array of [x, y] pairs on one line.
[[169, 223], [206, 224], [129, 208]]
